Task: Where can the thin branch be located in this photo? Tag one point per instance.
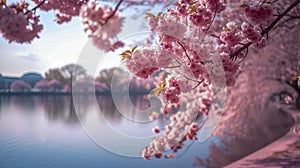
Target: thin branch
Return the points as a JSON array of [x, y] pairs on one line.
[[295, 3], [178, 62], [189, 78], [199, 83], [213, 18], [185, 51], [172, 67], [266, 31], [36, 7], [188, 147], [114, 12], [214, 35], [240, 50], [247, 50]]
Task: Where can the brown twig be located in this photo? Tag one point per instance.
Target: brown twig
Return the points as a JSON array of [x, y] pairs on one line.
[[198, 84], [212, 19], [184, 51], [240, 50], [172, 67], [114, 12], [295, 3], [36, 7], [247, 50]]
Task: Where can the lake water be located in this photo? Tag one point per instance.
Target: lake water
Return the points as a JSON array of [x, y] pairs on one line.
[[44, 131]]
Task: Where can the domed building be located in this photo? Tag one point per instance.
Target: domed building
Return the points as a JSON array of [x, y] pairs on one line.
[[5, 83], [32, 78]]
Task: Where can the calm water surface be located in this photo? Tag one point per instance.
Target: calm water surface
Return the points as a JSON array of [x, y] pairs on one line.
[[44, 131]]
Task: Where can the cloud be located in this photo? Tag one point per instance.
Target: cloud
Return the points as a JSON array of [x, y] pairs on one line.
[[30, 57], [60, 45], [14, 64], [53, 49]]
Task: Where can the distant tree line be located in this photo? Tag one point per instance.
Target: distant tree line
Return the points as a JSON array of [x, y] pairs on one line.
[[74, 78]]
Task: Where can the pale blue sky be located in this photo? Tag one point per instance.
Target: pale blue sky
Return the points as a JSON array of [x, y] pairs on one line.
[[57, 45], [62, 44]]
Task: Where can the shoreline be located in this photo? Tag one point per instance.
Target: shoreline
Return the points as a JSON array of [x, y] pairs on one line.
[[282, 152]]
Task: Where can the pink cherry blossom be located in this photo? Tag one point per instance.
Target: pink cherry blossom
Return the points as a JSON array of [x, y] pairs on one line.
[[65, 9], [18, 23], [259, 14], [20, 86], [199, 45], [230, 38]]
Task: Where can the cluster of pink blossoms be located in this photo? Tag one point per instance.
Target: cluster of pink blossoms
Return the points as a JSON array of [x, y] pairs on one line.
[[65, 9], [102, 24], [257, 17], [183, 126], [176, 133], [198, 57], [252, 34], [172, 93], [200, 13], [259, 14], [193, 53], [18, 23], [144, 63]]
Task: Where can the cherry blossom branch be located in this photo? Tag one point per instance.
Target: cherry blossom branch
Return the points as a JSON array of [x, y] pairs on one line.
[[191, 79], [247, 50], [184, 51], [172, 67], [36, 7], [114, 12], [189, 146], [294, 4], [199, 83], [212, 19], [178, 62], [269, 28], [240, 50]]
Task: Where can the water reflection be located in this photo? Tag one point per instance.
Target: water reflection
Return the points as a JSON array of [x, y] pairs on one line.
[[23, 101], [57, 108], [61, 108], [44, 130]]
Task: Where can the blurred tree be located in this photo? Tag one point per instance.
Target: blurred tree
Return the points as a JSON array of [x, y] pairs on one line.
[[42, 86], [73, 72], [20, 86], [105, 76], [55, 74], [55, 86]]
